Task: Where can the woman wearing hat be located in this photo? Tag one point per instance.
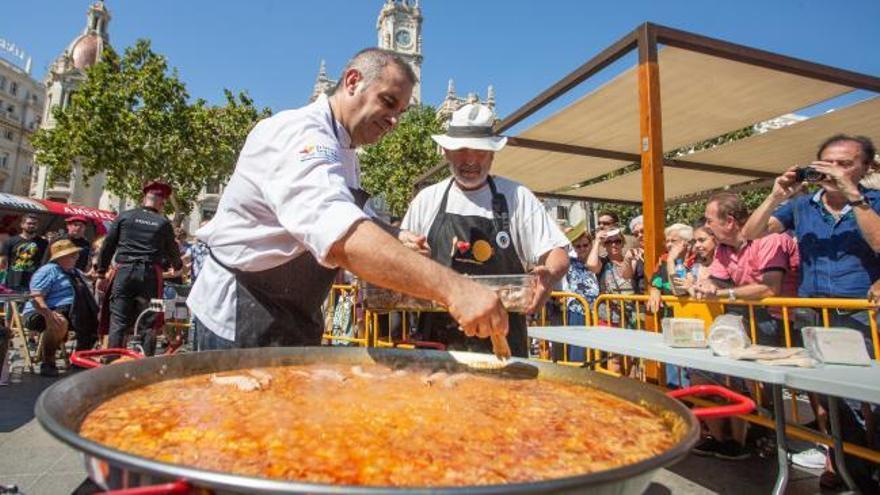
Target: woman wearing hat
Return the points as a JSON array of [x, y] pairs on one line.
[[61, 300], [481, 224]]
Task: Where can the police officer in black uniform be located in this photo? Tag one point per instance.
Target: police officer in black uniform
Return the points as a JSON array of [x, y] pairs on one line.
[[139, 240]]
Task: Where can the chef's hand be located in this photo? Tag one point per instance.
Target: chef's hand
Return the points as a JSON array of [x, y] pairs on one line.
[[477, 309], [874, 293], [416, 242], [543, 287], [102, 284]]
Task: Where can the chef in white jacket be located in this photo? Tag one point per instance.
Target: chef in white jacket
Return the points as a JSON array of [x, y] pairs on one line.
[[292, 213]]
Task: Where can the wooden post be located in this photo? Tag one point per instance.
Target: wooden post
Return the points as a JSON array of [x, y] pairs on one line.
[[651, 146]]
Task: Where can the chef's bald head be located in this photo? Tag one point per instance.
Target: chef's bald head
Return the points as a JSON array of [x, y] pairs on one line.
[[370, 62]]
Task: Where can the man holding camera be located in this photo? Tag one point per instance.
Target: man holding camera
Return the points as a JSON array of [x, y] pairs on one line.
[[838, 231], [837, 227]]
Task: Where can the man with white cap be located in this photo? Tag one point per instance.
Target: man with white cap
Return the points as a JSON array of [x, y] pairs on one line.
[[483, 225], [293, 212]]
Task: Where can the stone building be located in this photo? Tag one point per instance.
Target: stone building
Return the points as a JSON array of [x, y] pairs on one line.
[[21, 109], [64, 77]]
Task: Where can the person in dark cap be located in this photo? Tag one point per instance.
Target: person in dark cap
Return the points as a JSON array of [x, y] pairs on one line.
[[76, 233], [138, 240]]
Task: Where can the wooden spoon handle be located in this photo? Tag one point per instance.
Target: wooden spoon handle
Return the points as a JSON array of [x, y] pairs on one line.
[[500, 347]]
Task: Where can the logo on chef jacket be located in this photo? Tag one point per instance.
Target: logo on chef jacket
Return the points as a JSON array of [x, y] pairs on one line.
[[319, 152], [478, 253]]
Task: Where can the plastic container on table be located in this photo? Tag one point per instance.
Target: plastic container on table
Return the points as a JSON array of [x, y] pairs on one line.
[[684, 332]]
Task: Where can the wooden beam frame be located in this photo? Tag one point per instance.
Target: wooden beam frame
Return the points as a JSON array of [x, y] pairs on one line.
[[651, 146], [572, 197], [572, 149]]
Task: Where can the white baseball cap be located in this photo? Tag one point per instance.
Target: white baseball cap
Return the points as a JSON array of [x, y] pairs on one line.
[[471, 127]]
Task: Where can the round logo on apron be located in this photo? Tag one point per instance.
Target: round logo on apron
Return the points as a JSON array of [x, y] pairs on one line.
[[502, 240]]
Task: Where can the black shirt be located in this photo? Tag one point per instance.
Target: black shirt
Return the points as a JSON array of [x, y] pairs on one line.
[[140, 234], [23, 257], [82, 261]]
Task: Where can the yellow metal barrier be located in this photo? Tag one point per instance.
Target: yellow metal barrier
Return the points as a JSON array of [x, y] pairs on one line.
[[338, 291], [708, 310]]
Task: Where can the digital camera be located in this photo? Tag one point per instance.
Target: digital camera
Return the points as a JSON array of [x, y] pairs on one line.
[[808, 174]]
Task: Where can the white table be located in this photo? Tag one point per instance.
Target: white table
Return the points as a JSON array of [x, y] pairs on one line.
[[859, 383]]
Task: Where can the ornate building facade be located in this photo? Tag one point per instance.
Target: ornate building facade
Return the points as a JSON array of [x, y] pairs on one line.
[[64, 77], [21, 110]]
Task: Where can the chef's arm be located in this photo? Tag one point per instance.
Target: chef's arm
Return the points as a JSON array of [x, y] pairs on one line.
[[556, 261], [375, 256]]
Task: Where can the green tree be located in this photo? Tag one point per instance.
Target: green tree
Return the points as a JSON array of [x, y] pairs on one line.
[[132, 120], [391, 166]]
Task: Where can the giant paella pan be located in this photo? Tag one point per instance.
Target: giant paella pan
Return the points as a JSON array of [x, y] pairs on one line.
[[368, 421]]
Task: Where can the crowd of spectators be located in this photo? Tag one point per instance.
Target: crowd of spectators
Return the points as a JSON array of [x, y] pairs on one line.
[[813, 237]]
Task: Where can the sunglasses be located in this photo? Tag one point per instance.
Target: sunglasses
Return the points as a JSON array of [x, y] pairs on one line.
[[581, 246], [614, 241]]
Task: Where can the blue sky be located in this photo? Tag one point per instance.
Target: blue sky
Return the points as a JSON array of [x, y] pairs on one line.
[[272, 48]]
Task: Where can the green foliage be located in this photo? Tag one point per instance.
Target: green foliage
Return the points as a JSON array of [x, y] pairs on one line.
[[390, 166], [131, 119]]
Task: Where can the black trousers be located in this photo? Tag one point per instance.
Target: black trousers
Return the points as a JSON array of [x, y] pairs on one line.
[[133, 287]]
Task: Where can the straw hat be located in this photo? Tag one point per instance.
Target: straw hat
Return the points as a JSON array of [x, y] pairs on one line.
[[62, 248], [577, 231]]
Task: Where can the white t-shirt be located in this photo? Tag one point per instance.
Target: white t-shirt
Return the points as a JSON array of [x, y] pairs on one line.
[[533, 232], [288, 196]]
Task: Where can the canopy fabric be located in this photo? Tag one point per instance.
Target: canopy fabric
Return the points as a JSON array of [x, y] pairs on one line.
[[773, 151], [702, 97]]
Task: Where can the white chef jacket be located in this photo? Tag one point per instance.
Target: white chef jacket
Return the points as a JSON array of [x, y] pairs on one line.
[[532, 232], [287, 196]]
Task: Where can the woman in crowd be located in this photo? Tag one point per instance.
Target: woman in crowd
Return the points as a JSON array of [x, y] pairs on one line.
[[579, 280], [637, 253], [677, 257], [614, 271]]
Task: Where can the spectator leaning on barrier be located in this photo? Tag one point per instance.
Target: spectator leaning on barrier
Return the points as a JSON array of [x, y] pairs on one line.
[[838, 230], [704, 255], [677, 257], [745, 269]]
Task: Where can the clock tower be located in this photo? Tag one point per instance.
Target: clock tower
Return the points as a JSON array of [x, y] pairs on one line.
[[400, 30]]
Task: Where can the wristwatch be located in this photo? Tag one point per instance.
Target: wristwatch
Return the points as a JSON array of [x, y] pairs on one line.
[[731, 295], [859, 202]]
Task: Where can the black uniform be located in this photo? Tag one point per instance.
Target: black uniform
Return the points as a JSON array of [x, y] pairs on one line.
[[140, 239]]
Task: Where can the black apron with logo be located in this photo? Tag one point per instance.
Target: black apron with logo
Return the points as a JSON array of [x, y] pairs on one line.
[[474, 245]]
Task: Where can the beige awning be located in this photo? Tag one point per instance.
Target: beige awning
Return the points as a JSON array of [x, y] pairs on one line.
[[702, 97], [773, 151]]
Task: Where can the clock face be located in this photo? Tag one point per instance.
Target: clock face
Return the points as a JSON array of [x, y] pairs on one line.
[[403, 38]]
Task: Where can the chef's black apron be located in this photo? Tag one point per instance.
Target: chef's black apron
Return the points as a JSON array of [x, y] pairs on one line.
[[474, 245], [281, 306]]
